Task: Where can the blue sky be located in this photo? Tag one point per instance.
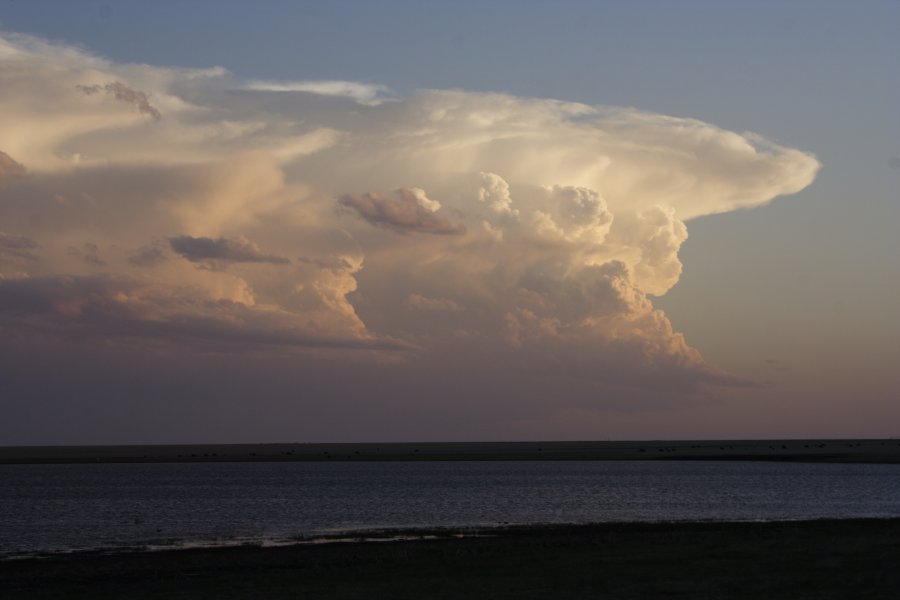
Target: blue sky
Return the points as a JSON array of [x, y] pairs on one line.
[[792, 294]]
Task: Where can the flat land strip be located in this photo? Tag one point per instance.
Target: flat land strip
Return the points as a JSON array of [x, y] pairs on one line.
[[832, 450], [796, 560]]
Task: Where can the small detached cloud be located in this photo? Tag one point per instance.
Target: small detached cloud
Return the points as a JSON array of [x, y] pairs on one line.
[[222, 250], [148, 256], [89, 252], [412, 211], [363, 93], [17, 246], [123, 93]]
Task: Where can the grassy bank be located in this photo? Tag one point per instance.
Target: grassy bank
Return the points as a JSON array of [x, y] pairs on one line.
[[797, 560]]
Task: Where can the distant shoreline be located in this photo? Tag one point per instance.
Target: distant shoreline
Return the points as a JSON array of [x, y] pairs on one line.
[[795, 450], [415, 534], [853, 558]]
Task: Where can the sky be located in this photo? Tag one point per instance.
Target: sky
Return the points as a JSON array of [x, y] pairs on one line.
[[357, 221]]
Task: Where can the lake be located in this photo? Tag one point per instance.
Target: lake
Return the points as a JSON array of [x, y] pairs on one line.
[[53, 508]]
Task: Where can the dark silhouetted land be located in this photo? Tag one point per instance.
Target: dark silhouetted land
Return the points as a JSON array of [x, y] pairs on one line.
[[834, 450], [796, 560]]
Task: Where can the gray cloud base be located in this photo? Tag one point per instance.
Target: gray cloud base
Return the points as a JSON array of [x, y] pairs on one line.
[[200, 249]]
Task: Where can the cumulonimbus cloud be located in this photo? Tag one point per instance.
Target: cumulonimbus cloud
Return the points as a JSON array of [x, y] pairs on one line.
[[528, 233]]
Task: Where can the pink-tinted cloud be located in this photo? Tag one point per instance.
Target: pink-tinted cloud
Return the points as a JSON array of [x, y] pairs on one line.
[[512, 272]]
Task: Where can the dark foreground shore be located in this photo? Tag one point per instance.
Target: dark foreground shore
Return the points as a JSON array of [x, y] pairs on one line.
[[819, 450], [796, 560]]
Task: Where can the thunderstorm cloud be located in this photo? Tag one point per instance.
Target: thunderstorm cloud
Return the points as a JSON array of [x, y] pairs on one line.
[[501, 239]]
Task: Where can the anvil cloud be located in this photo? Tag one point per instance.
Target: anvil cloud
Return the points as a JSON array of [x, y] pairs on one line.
[[515, 235]]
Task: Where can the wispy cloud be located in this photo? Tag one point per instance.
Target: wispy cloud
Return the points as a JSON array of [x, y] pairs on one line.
[[123, 93], [419, 302], [363, 93], [17, 246]]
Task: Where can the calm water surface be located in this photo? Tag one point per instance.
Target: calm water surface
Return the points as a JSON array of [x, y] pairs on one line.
[[65, 507]]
